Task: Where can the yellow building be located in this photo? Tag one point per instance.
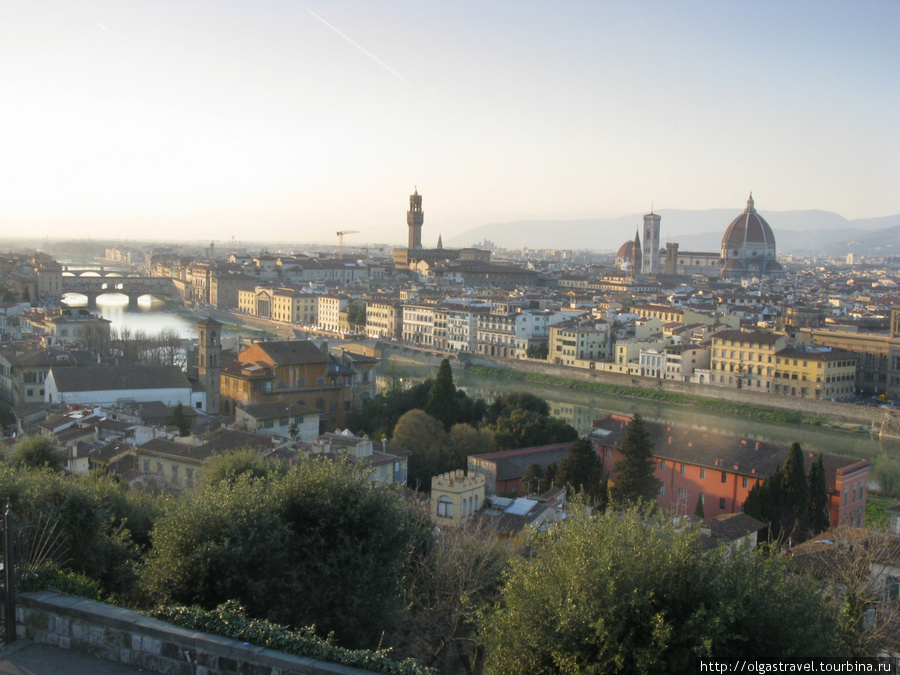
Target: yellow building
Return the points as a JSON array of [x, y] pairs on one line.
[[281, 304], [384, 319], [819, 373], [571, 344], [455, 497], [295, 307], [745, 360], [878, 365]]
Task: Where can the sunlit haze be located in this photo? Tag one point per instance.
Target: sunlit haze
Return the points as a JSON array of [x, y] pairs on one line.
[[283, 120]]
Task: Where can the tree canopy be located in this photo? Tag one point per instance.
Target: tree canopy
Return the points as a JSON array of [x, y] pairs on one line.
[[628, 592], [39, 451], [319, 545]]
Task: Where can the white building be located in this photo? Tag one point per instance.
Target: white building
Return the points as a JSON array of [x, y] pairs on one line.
[[418, 324], [109, 385]]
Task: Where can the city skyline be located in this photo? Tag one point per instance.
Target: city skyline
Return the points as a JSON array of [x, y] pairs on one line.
[[291, 120]]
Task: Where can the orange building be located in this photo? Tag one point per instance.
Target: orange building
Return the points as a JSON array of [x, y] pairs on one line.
[[290, 371], [720, 470]]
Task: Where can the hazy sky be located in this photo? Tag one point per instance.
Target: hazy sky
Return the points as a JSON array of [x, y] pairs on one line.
[[271, 119]]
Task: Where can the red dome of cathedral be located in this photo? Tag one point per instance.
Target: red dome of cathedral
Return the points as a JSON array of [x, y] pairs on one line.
[[748, 228], [626, 251], [748, 246]]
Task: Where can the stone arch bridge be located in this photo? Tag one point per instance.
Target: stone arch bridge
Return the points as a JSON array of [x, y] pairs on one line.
[[89, 284]]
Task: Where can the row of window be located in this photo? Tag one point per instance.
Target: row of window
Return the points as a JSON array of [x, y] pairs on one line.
[[664, 464]]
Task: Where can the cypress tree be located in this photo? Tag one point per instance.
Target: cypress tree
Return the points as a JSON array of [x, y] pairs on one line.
[[698, 510], [636, 472], [441, 402], [795, 490], [582, 470], [764, 503], [819, 516], [181, 420]]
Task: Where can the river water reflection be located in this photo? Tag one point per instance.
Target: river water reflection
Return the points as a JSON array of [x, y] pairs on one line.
[[148, 317]]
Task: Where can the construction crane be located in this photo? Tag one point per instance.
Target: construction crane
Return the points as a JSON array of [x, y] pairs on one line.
[[341, 248]]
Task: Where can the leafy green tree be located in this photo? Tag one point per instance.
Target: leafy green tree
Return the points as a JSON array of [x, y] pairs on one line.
[[425, 438], [582, 470], [525, 428], [441, 402], [233, 466], [632, 593], [356, 315], [521, 429], [39, 451], [318, 545], [380, 415], [505, 404], [465, 440], [181, 419], [819, 514], [103, 527], [539, 351], [636, 472]]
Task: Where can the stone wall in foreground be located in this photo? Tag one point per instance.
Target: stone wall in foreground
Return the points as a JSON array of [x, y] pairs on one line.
[[124, 636]]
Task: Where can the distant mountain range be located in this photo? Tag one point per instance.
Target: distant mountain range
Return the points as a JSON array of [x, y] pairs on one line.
[[811, 231]]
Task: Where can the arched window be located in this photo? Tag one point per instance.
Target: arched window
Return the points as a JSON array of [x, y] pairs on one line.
[[445, 507], [320, 381]]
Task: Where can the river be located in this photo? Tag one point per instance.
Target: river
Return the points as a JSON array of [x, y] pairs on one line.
[[148, 317], [579, 408]]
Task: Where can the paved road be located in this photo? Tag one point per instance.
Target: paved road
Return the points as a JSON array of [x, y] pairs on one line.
[[25, 657]]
